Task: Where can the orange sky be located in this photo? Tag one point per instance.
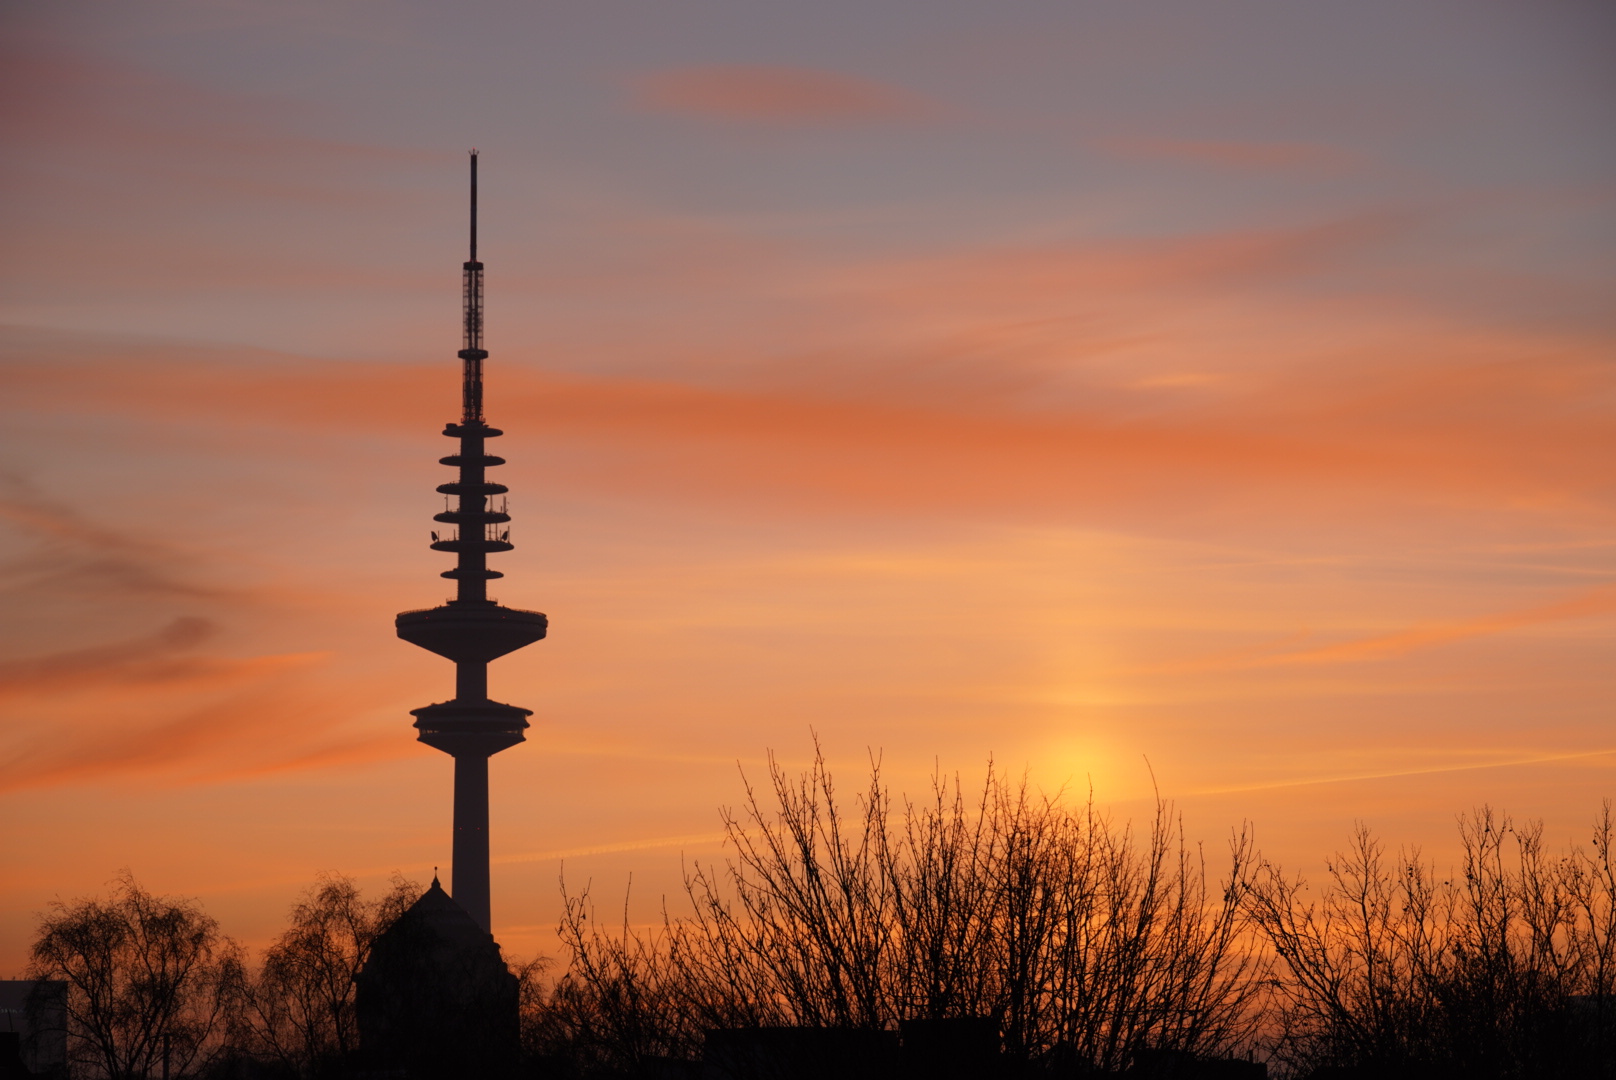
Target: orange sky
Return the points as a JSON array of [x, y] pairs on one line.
[[1107, 393]]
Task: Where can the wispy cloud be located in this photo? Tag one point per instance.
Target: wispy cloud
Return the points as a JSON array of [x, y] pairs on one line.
[[1510, 761], [149, 659], [760, 94], [120, 735], [1217, 263], [1584, 604], [51, 96], [649, 844], [1452, 430], [1238, 155], [1587, 604], [138, 181], [72, 552], [171, 702]]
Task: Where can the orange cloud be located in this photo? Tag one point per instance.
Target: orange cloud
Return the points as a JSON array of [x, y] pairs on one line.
[[357, 750], [210, 720], [1593, 602], [1217, 261], [777, 95], [1512, 761], [120, 733], [1450, 432], [1589, 603], [707, 839]]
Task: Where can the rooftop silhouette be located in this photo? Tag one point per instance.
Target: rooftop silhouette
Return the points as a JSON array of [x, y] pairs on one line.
[[435, 997]]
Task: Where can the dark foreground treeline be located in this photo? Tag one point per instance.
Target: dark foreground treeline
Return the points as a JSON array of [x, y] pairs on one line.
[[1089, 946]]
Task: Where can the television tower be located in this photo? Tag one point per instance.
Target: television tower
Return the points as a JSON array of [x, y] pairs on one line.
[[471, 629]]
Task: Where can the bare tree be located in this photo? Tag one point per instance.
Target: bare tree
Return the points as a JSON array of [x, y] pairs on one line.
[[1504, 969], [534, 994], [1080, 942], [619, 1003], [151, 982], [299, 1008], [1357, 957]]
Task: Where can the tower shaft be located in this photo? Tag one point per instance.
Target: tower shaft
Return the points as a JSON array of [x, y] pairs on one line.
[[471, 629], [468, 882]]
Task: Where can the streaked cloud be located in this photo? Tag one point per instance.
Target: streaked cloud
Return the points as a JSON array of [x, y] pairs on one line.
[[56, 97], [148, 659], [165, 729], [790, 96], [711, 839], [1584, 604], [1511, 761], [69, 551], [1448, 429], [1587, 604], [1241, 156]]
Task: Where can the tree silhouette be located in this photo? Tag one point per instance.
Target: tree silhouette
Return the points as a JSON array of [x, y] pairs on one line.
[[1079, 940], [151, 982], [1502, 970], [298, 1010]]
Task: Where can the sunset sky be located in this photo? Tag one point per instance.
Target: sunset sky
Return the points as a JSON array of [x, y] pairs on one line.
[[1213, 395]]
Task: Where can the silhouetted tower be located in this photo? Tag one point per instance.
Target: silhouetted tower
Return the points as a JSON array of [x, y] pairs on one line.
[[471, 629]]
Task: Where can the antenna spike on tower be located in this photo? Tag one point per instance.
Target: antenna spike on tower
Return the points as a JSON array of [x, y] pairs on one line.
[[474, 204]]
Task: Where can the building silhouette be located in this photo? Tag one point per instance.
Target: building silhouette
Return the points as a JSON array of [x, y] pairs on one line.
[[33, 1028], [435, 999]]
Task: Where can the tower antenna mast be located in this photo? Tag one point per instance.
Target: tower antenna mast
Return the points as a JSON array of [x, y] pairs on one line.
[[472, 353]]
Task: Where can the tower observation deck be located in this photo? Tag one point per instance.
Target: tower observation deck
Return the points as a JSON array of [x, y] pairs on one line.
[[471, 629]]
